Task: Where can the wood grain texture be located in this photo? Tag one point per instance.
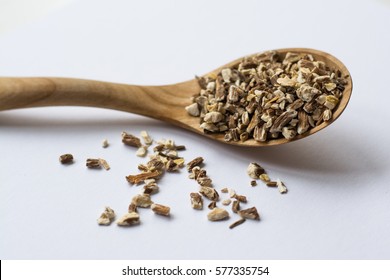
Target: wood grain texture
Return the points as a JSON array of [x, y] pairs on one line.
[[160, 102]]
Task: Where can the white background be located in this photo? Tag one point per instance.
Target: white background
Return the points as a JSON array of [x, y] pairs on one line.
[[337, 206]]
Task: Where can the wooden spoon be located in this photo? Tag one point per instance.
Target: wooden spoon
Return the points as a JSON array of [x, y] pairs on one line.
[[160, 102]]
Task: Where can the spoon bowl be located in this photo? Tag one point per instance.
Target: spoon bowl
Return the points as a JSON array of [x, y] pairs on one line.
[[166, 103]]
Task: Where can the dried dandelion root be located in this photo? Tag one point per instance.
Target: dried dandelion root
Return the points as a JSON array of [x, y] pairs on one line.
[[106, 217], [161, 209], [218, 214], [66, 158], [268, 96], [129, 219]]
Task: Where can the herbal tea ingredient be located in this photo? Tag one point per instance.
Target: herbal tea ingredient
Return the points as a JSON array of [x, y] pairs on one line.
[[161, 209], [105, 143], [218, 214], [268, 96], [106, 217], [66, 158], [166, 159], [129, 219], [237, 223]]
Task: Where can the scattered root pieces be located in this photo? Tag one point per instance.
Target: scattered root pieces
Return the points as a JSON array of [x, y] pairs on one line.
[[195, 162], [237, 223], [254, 170], [271, 184], [132, 208], [151, 189], [104, 164], [218, 214], [147, 139], [141, 152], [106, 217], [264, 177], [212, 205], [142, 200], [240, 198], [97, 163], [210, 193], [226, 202], [250, 213], [253, 183], [66, 158], [161, 209], [136, 179], [224, 190], [105, 143], [129, 219], [196, 201], [232, 193], [93, 163], [281, 187], [235, 206], [131, 140]]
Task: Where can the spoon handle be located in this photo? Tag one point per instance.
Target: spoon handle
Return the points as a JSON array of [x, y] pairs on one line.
[[152, 101]]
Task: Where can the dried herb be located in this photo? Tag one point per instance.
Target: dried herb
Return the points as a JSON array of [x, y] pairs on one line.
[[93, 163], [129, 219], [218, 214], [66, 158], [237, 223], [250, 213], [196, 201], [131, 140], [268, 96], [161, 209], [106, 217]]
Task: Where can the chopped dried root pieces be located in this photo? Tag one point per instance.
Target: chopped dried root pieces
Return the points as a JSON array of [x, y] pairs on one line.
[[237, 223], [195, 162], [281, 187], [226, 202], [131, 140], [204, 181], [93, 163], [161, 209], [142, 200], [105, 143], [232, 193], [156, 163], [253, 183], [271, 184], [264, 177], [151, 189], [147, 139], [235, 206], [218, 214], [224, 190], [254, 170], [210, 193], [180, 148], [104, 163], [250, 213], [141, 152], [212, 205], [136, 179], [106, 217], [241, 198], [66, 158], [196, 201], [129, 219], [171, 166], [132, 208]]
